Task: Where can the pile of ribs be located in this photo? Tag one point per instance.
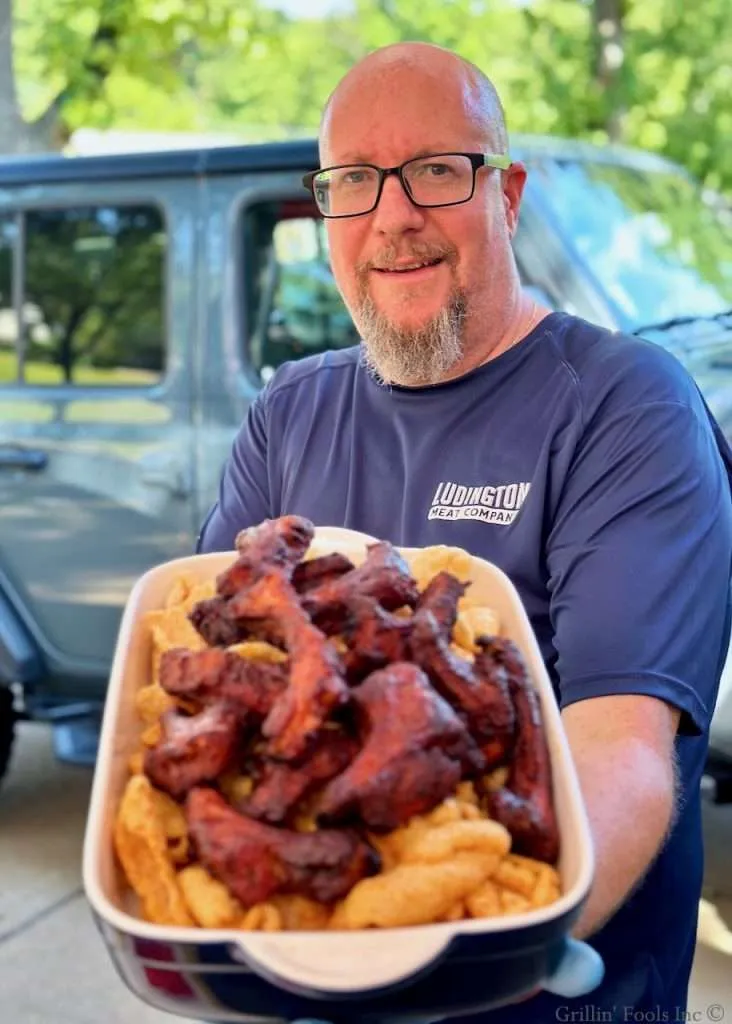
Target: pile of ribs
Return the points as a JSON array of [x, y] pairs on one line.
[[368, 718]]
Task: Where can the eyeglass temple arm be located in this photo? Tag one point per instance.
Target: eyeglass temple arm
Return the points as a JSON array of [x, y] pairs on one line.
[[502, 161]]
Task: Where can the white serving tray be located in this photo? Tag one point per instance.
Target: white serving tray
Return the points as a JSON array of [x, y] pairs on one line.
[[330, 962]]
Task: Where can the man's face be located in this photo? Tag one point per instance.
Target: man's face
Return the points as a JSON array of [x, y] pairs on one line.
[[417, 323]]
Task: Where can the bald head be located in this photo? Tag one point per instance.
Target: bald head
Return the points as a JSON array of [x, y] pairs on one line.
[[427, 272], [425, 66]]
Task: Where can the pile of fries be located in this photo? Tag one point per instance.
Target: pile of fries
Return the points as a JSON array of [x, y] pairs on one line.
[[450, 864]]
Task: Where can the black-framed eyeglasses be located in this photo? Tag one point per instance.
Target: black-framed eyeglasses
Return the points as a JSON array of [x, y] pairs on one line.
[[439, 179]]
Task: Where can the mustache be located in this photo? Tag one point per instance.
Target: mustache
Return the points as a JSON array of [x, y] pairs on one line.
[[389, 257]]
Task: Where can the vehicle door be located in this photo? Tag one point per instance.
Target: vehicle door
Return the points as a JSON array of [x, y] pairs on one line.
[[97, 317], [270, 297]]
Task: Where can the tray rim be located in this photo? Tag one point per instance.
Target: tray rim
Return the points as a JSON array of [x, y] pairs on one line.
[[258, 949]]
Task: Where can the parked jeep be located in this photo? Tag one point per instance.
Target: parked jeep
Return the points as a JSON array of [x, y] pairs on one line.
[[145, 298]]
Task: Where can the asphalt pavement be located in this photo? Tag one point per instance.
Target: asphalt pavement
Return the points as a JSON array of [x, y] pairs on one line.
[[54, 968]]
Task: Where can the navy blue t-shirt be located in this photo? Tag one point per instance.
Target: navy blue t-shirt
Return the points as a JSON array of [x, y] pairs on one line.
[[586, 465]]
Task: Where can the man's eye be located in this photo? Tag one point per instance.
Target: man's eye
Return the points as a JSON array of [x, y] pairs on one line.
[[360, 176], [436, 170]]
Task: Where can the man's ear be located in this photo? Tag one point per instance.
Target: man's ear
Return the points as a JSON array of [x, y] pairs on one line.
[[514, 180]]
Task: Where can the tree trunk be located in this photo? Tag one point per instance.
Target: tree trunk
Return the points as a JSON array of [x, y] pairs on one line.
[[607, 16], [16, 134], [49, 132]]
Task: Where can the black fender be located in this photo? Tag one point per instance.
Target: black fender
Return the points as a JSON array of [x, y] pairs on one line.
[[20, 658]]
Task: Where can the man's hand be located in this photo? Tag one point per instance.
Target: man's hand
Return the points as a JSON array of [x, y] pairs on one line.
[[623, 750]]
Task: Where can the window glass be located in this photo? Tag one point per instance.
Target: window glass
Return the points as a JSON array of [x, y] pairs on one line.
[[656, 246], [8, 321], [94, 296], [532, 267], [295, 307]]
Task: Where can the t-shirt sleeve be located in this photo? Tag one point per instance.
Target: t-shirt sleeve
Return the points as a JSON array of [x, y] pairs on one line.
[[639, 561], [244, 494]]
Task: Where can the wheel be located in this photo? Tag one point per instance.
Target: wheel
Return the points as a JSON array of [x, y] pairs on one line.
[[7, 727]]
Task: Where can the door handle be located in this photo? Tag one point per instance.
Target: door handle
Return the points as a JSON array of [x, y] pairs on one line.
[[17, 457]]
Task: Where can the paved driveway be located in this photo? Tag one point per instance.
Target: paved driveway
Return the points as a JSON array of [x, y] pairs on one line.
[[53, 967]]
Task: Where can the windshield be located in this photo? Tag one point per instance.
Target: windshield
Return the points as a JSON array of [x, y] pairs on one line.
[[655, 246]]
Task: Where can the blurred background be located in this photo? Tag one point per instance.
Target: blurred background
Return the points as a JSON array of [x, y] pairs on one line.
[[140, 313], [82, 75]]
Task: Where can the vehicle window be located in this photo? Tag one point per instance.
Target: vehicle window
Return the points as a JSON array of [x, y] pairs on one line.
[[94, 297], [294, 308], [535, 271], [654, 244], [8, 320]]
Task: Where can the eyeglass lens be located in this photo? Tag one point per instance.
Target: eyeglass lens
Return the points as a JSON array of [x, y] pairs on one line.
[[431, 181]]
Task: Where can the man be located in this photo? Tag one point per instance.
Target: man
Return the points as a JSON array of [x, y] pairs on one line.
[[583, 463]]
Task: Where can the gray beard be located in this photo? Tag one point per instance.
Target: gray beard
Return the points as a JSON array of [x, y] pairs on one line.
[[395, 355]]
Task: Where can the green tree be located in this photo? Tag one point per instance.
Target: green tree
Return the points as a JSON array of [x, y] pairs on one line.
[[679, 62], [102, 308], [651, 73], [103, 63]]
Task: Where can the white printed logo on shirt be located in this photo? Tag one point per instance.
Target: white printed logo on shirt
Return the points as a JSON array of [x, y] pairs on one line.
[[484, 504]]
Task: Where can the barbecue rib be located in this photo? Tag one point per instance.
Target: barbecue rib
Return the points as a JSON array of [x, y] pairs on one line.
[[374, 638], [383, 575], [193, 749], [255, 861], [525, 804], [316, 571], [274, 544], [249, 686], [415, 751], [316, 685], [279, 787], [211, 619], [427, 717], [377, 638], [479, 689], [440, 597]]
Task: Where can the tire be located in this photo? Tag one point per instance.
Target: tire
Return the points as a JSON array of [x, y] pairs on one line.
[[7, 727]]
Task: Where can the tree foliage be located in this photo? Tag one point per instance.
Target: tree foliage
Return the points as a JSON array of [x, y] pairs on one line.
[[651, 73], [100, 308]]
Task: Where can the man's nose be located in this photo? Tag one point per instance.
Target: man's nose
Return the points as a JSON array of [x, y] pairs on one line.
[[396, 212]]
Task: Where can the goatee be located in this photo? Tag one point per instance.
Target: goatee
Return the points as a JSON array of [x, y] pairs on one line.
[[407, 356]]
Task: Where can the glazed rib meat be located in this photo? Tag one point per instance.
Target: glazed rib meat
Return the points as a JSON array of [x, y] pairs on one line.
[[211, 619], [316, 684], [274, 544], [374, 638], [479, 689], [426, 716], [383, 575], [525, 804], [308, 575], [280, 787], [193, 749], [255, 861], [440, 597], [249, 686], [415, 751]]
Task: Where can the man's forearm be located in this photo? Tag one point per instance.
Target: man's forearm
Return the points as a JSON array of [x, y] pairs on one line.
[[629, 796]]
